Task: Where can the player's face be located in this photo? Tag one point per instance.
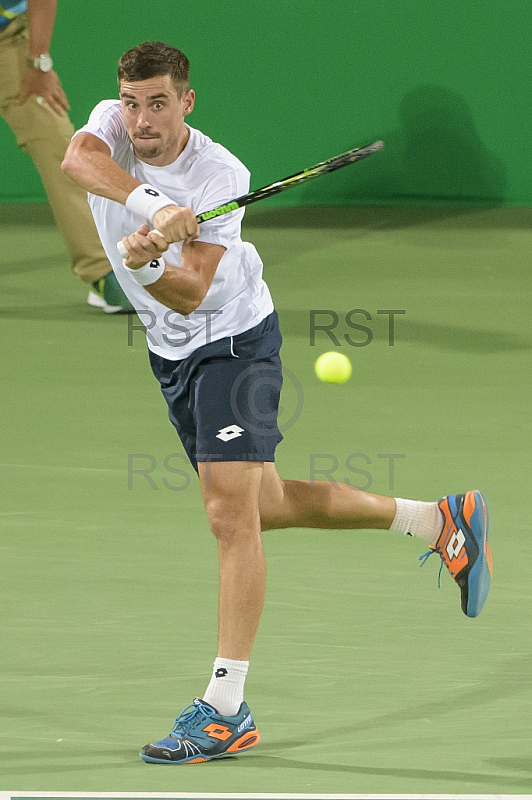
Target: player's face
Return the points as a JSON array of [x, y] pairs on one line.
[[154, 118]]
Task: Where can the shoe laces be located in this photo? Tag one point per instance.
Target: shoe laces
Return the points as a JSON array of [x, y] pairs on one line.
[[424, 559], [194, 714]]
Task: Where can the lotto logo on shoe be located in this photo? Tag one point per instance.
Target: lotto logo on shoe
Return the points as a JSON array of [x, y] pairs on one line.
[[230, 432], [221, 732], [455, 544], [247, 722]]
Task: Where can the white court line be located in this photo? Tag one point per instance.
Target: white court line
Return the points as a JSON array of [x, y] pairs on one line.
[[259, 796]]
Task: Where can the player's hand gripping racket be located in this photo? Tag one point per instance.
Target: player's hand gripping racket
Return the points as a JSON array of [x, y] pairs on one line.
[[322, 168]]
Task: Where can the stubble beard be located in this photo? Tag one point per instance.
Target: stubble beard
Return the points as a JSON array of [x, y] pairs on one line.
[[156, 150], [153, 152]]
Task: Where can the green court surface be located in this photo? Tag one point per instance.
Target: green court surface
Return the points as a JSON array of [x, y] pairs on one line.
[[365, 677]]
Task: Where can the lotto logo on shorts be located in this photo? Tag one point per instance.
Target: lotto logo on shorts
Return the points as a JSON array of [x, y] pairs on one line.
[[230, 432]]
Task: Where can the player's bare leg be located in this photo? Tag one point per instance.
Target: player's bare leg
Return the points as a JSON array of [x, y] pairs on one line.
[[221, 722], [456, 527], [231, 496], [320, 504]]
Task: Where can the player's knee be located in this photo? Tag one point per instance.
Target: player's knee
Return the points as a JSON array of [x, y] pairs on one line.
[[229, 522]]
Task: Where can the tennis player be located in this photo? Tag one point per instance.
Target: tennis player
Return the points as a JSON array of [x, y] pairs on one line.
[[215, 351]]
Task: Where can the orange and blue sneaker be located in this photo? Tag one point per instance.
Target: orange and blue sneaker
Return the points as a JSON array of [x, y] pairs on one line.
[[464, 549], [201, 734]]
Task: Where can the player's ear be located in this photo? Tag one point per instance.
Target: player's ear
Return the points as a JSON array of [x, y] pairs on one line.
[[189, 98]]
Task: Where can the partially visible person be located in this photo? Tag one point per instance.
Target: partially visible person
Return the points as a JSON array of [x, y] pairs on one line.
[[34, 105]]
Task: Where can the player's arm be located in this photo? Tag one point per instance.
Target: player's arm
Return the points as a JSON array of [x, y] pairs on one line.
[[89, 163], [182, 288]]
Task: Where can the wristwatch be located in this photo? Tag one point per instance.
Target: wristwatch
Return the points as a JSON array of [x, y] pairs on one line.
[[43, 62]]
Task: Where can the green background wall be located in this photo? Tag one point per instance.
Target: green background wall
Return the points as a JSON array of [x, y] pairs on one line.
[[283, 85]]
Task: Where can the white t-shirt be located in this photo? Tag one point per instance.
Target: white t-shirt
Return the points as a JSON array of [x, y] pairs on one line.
[[204, 176]]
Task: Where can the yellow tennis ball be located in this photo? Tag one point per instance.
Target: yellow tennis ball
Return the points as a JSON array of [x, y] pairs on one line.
[[333, 367]]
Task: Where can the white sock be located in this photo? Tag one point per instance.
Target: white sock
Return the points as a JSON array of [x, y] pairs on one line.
[[415, 518], [226, 690]]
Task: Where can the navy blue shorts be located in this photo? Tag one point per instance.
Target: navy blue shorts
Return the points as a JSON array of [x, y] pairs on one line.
[[223, 400]]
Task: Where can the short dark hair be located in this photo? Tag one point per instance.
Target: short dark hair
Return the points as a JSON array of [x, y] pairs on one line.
[[150, 59]]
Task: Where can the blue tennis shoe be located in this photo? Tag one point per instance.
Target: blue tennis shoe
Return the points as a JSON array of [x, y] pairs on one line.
[[464, 549], [201, 734]]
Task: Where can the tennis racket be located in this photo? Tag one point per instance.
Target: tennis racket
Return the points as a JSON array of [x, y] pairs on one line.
[[298, 178]]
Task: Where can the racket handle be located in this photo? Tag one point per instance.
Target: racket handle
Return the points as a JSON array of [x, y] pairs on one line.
[[122, 248]]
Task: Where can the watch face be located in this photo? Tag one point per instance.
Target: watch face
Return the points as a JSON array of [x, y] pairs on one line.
[[45, 62]]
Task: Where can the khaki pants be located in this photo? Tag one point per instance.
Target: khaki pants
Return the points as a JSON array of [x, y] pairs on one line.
[[45, 136]]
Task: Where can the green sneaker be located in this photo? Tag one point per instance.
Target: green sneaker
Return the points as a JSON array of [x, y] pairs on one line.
[[107, 294]]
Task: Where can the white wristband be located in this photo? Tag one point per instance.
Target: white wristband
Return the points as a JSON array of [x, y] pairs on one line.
[[149, 273], [146, 201]]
